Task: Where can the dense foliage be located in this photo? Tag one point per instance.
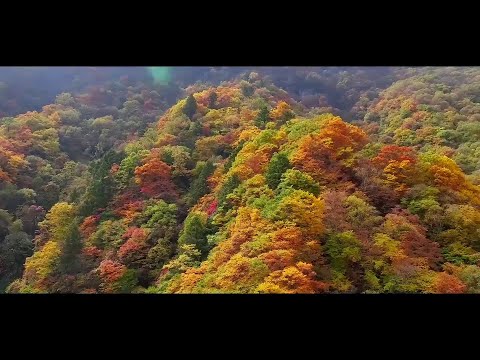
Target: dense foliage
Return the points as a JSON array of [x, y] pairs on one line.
[[240, 187]]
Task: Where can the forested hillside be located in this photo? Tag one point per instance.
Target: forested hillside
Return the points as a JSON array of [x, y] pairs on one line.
[[265, 180], [437, 109]]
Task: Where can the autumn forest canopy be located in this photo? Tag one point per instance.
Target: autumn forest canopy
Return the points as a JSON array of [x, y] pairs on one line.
[[240, 180]]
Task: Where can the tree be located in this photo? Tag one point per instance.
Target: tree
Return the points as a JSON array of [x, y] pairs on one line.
[[131, 108], [344, 249], [406, 228], [89, 226], [231, 184], [161, 218], [14, 249], [282, 113], [239, 274], [187, 258], [111, 272], [155, 179], [61, 227], [327, 155], [262, 118], [462, 223], [127, 282], [295, 179], [195, 232], [102, 185], [199, 186], [361, 216], [449, 284], [160, 253], [71, 248], [57, 223], [5, 221], [398, 164], [212, 100], [123, 177], [298, 279], [65, 99], [468, 275], [135, 249], [108, 235], [276, 168], [304, 209], [42, 264], [207, 147], [190, 107], [247, 89], [369, 179]]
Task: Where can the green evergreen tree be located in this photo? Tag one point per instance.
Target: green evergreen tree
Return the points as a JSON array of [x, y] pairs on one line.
[[70, 251], [199, 186], [190, 107], [167, 157], [195, 232], [102, 185], [14, 249], [262, 118], [233, 155], [295, 179], [230, 185], [212, 100], [277, 166]]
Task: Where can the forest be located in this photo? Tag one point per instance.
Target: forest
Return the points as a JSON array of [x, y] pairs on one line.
[[285, 180]]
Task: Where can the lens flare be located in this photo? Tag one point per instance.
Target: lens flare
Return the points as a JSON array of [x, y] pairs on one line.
[[160, 74]]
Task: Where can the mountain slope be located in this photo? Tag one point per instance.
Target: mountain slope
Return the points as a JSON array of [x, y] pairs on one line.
[[436, 109], [44, 156], [240, 189]]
